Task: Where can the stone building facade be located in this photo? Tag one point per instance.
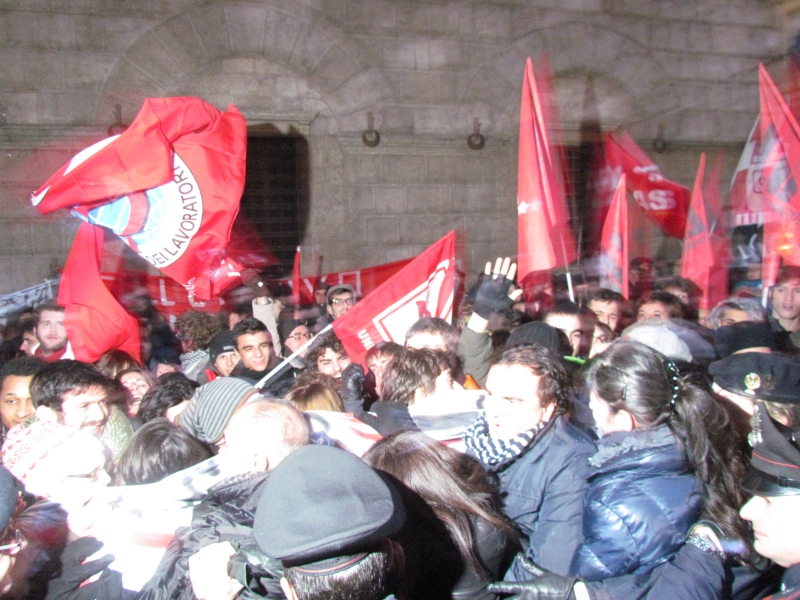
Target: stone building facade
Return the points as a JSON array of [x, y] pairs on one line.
[[426, 70]]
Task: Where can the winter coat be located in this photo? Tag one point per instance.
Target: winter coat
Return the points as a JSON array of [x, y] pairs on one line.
[[388, 417], [225, 515], [276, 387], [492, 545], [790, 584], [691, 574], [642, 499], [543, 490]]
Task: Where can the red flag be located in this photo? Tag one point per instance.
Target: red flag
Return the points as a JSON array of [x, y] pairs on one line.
[[423, 288], [544, 237], [177, 209], [718, 231], [664, 202], [780, 149], [95, 321], [296, 279], [614, 260], [698, 254]]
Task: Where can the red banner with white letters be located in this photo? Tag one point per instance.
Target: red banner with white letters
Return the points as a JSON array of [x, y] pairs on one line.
[[665, 202], [423, 288]]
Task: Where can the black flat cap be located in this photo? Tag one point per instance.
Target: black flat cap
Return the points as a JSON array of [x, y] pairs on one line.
[[775, 464], [321, 503], [759, 375]]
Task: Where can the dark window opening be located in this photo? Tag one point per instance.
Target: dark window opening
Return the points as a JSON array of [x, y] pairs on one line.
[[273, 215]]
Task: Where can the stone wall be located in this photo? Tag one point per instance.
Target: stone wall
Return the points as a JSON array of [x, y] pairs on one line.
[[426, 69]]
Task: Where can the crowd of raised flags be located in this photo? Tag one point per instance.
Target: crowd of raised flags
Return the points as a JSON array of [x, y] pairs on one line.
[[169, 187]]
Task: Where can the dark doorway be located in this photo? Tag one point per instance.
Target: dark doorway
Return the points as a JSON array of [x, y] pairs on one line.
[[273, 215]]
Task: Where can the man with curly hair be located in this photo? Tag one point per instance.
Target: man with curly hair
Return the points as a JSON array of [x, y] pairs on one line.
[[329, 357], [195, 330], [525, 437]]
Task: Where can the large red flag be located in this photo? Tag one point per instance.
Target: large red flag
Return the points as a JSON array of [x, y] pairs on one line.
[[423, 288], [780, 149], [544, 238], [698, 254], [664, 202], [614, 261], [95, 321], [176, 208]]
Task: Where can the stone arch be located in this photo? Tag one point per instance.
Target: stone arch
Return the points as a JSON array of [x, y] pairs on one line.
[[286, 33], [586, 59]]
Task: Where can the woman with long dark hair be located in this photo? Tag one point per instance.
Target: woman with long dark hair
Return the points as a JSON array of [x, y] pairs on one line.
[[664, 461], [457, 489]]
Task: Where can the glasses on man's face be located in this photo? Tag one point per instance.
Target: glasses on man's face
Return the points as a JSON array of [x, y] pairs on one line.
[[340, 301], [301, 336], [12, 543]]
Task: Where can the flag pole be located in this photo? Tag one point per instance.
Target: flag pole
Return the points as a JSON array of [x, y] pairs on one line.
[[566, 266], [281, 367]]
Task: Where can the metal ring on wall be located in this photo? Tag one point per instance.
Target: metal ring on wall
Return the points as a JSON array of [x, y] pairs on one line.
[[476, 141], [373, 141]]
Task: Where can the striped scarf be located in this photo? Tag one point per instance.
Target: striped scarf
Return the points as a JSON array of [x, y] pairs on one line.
[[496, 454]]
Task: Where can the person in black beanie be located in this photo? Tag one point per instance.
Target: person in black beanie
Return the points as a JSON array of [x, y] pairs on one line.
[[746, 336]]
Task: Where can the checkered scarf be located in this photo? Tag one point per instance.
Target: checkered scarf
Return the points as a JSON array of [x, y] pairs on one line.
[[493, 453]]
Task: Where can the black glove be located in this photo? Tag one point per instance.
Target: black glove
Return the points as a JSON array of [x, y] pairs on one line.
[[492, 295], [67, 586], [544, 585], [256, 571], [353, 386]]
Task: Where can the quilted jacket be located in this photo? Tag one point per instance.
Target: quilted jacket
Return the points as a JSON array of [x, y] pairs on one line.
[[643, 497]]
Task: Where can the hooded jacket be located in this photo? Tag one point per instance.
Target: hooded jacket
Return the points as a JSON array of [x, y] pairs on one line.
[[642, 499]]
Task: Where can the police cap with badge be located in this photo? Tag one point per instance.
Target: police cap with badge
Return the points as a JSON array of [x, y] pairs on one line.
[[760, 376], [775, 463], [324, 510]]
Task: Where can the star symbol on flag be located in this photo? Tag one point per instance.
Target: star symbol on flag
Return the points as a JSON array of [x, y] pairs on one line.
[[522, 208]]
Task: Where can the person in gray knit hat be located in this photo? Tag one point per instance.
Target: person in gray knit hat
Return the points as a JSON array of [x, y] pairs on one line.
[[213, 405]]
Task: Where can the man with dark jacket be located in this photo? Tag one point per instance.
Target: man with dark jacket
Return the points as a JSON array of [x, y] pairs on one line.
[[258, 437], [254, 347], [541, 459]]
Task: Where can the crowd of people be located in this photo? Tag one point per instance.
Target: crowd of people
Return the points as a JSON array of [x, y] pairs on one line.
[[536, 448]]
